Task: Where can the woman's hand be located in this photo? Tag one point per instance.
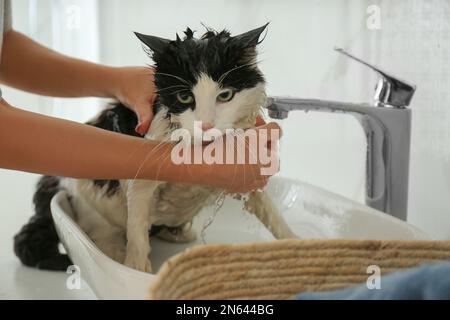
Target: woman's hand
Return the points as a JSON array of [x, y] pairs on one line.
[[239, 177], [136, 90]]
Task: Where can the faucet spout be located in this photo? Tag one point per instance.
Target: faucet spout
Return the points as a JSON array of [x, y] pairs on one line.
[[387, 131], [387, 127]]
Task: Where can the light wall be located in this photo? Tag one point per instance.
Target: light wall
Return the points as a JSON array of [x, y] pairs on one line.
[[298, 60]]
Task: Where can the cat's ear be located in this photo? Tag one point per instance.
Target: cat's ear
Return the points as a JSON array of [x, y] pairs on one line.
[[251, 38], [156, 44]]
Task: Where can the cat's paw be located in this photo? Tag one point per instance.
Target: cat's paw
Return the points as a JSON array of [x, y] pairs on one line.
[[140, 264]]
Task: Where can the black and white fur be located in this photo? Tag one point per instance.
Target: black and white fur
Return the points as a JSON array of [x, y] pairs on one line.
[[192, 77]]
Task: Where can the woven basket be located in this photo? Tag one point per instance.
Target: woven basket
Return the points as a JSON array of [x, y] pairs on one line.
[[281, 269]]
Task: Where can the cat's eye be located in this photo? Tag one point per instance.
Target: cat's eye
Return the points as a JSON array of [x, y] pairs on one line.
[[226, 95], [185, 98]]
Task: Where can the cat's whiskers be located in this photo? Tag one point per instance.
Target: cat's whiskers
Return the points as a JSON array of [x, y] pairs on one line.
[[144, 141], [174, 76], [159, 160], [154, 150], [250, 150], [178, 91], [134, 152], [185, 87], [189, 172], [262, 110], [171, 87], [224, 75], [234, 173], [161, 163]]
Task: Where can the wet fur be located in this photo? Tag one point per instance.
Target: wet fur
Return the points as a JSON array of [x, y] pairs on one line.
[[118, 214]]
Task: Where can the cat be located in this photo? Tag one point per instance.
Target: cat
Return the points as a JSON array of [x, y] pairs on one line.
[[214, 79]]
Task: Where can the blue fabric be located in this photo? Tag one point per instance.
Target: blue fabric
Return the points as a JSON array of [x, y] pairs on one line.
[[426, 282]]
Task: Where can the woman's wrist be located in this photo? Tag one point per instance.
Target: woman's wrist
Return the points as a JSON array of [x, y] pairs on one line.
[[168, 169], [118, 78], [112, 82]]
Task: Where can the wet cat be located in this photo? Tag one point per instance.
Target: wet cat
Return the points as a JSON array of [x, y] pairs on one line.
[[213, 79]]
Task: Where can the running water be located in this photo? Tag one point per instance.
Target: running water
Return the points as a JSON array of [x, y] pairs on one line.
[[217, 206]]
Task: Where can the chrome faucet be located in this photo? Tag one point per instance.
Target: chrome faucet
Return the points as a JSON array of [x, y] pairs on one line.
[[387, 126]]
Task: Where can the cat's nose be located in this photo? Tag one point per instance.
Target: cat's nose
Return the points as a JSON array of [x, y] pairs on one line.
[[207, 125]]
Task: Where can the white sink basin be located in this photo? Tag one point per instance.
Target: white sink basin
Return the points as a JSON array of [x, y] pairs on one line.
[[312, 213]]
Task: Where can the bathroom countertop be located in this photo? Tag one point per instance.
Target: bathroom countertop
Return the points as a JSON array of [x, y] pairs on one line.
[[16, 280], [20, 282]]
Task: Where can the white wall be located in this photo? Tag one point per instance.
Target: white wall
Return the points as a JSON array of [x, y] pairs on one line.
[[68, 26], [298, 60], [414, 41], [46, 22]]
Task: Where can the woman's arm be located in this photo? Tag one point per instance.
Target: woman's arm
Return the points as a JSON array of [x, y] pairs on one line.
[[31, 67], [40, 144], [28, 66], [36, 143]]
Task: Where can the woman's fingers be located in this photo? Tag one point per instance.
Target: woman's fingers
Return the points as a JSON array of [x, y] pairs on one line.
[[145, 116], [254, 160], [259, 121], [273, 130], [136, 90], [272, 133]]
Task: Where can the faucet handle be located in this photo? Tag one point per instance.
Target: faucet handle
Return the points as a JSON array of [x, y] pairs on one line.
[[390, 90]]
